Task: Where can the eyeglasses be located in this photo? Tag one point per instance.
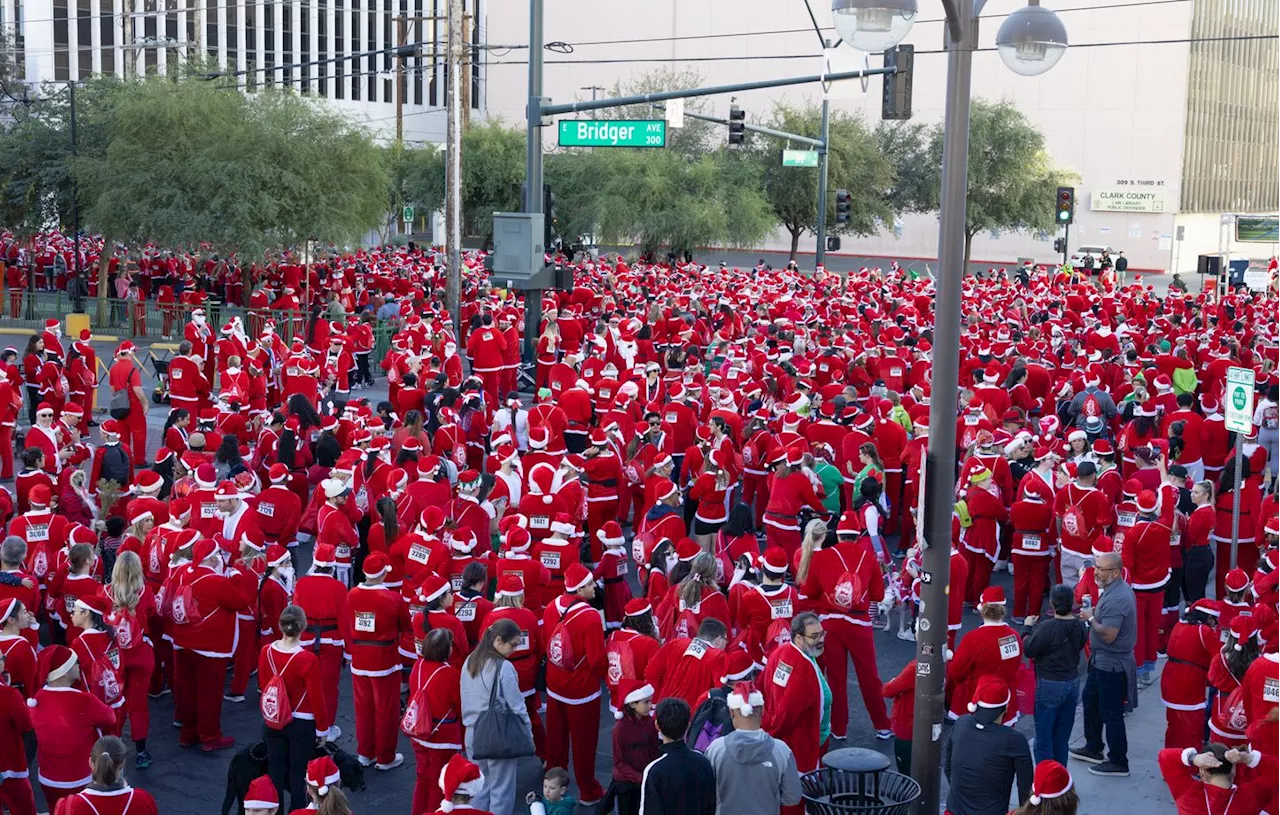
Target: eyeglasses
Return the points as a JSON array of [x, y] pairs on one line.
[[818, 637]]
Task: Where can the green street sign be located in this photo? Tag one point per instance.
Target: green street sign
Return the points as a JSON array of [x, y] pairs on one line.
[[1238, 413], [613, 133], [799, 158], [407, 214]]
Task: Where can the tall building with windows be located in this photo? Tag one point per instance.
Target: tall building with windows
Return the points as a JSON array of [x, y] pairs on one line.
[[333, 49]]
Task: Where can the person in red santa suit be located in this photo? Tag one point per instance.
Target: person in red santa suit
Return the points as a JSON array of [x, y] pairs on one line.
[[323, 598], [1145, 552], [374, 620], [790, 490], [247, 570], [15, 722], [687, 668], [126, 375], [17, 629], [797, 697], [992, 648], [1218, 786], [486, 349], [96, 650], [558, 553], [44, 436], [1191, 647], [67, 721], [237, 521], [1083, 513], [432, 608], [980, 539], [509, 604], [611, 573], [277, 508], [203, 606], [757, 449], [515, 560], [10, 407], [1032, 547], [335, 528], [77, 572], [433, 718], [44, 533], [763, 614], [293, 705], [576, 663], [188, 386]]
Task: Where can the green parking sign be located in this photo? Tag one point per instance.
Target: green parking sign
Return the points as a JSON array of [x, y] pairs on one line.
[[408, 214], [1238, 413]]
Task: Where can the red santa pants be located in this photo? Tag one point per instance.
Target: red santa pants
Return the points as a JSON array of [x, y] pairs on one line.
[[163, 674], [245, 661], [52, 795], [1150, 607], [426, 787], [15, 302], [847, 640], [979, 575], [136, 422], [6, 451], [755, 494], [493, 384], [579, 724], [137, 666], [198, 696], [788, 539], [17, 796], [1183, 728], [377, 712], [598, 514], [1030, 577]]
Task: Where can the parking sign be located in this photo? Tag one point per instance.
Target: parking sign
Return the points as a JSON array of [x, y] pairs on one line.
[[1239, 400]]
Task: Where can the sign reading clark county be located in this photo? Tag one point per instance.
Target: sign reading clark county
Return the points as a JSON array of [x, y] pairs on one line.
[[1127, 201]]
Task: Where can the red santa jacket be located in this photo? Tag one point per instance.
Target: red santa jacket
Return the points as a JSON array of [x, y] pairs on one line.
[[1186, 674], [987, 513], [300, 671], [217, 598], [793, 704], [19, 664], [757, 610], [992, 648], [277, 510], [571, 624], [324, 599], [1032, 523], [441, 682], [67, 722], [527, 655], [15, 720], [685, 668], [1094, 509], [1146, 555], [1191, 796], [371, 627]]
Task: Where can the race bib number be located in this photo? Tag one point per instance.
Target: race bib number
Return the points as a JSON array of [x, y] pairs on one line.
[[113, 656], [895, 372], [175, 374], [343, 552], [782, 675], [1032, 543], [455, 580], [419, 553], [69, 600], [467, 611], [781, 610], [1126, 518], [1271, 690], [551, 560], [37, 533], [697, 649], [366, 622], [539, 522], [266, 509], [1009, 648], [621, 570], [524, 641], [208, 511], [670, 418]]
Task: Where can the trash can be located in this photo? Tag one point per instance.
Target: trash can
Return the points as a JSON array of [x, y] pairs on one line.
[[857, 781]]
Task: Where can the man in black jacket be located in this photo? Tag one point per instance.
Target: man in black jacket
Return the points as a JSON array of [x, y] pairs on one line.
[[983, 758], [680, 781]]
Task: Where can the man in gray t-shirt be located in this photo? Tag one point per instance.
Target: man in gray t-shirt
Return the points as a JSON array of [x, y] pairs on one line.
[[1113, 631]]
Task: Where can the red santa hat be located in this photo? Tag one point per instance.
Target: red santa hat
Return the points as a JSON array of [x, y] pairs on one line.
[[746, 699], [738, 665], [541, 479], [562, 524], [53, 663], [1207, 605], [1242, 628], [39, 495], [376, 565], [630, 691], [94, 603], [538, 438], [433, 587], [1148, 502], [992, 596], [637, 606], [261, 794], [662, 489], [227, 491], [431, 519], [277, 555], [459, 778], [991, 693], [687, 549], [325, 555], [82, 534], [462, 539], [516, 539], [611, 535], [576, 576], [775, 560], [321, 773], [7, 608], [1051, 780], [1236, 580], [510, 585], [278, 473]]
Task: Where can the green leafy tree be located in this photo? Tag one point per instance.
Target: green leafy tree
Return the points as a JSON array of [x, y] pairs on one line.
[[1012, 179], [855, 163], [909, 147], [696, 138]]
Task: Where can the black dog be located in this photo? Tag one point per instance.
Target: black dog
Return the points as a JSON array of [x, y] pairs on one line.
[[348, 767], [246, 765]]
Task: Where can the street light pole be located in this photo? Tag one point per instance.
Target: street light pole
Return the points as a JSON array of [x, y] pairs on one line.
[[931, 638], [453, 161], [75, 192], [821, 256], [533, 165]]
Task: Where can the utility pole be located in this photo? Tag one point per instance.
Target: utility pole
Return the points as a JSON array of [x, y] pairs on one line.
[[453, 167], [402, 39], [465, 66], [533, 166], [820, 257], [961, 39], [75, 188]]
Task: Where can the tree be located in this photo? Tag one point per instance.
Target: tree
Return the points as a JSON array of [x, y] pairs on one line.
[[855, 163], [696, 138], [1012, 179], [909, 148], [660, 198]]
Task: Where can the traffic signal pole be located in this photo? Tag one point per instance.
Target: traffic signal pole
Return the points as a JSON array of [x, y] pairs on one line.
[[820, 256], [533, 167]]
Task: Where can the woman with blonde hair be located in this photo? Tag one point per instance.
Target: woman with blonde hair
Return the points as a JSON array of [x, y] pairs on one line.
[[693, 599], [133, 613]]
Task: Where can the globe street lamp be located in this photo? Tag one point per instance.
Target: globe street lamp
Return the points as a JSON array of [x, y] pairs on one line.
[[873, 25], [1031, 40]]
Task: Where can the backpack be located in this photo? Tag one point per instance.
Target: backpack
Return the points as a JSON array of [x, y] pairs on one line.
[[710, 721], [128, 630], [1073, 521], [1091, 406], [560, 645], [115, 464], [848, 592], [417, 722], [183, 608], [277, 710], [621, 658], [102, 679]]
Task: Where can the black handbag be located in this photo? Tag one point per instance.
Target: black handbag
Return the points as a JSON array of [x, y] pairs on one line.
[[499, 733]]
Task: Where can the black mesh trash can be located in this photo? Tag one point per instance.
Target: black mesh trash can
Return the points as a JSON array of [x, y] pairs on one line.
[[857, 782]]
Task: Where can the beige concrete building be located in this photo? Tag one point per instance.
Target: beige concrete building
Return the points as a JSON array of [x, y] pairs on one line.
[[1165, 134]]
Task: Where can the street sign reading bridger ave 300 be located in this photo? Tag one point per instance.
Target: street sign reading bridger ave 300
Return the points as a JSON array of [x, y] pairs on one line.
[[613, 133], [1238, 400]]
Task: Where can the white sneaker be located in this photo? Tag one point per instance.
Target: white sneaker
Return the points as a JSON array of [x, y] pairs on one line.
[[364, 762], [334, 733], [399, 759], [906, 636], [231, 698], [884, 735]]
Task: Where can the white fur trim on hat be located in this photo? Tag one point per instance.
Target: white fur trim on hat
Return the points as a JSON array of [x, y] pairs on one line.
[[607, 541], [262, 804], [63, 669], [747, 706], [642, 692], [568, 530]]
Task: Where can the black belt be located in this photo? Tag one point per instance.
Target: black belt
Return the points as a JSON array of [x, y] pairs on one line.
[[378, 643], [604, 482], [1189, 664], [609, 581]]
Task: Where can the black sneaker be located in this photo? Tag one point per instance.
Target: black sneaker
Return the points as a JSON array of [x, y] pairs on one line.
[[1086, 755], [1109, 768]]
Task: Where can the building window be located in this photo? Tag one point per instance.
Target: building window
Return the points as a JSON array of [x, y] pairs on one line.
[[61, 42], [233, 29], [355, 49], [340, 50], [286, 15], [322, 52], [107, 31], [304, 25], [84, 31], [269, 43], [371, 61], [250, 46]]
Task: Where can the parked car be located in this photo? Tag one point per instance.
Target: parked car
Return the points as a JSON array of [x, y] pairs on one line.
[[1077, 257]]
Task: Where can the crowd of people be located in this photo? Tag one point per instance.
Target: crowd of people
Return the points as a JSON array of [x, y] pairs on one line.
[[700, 518]]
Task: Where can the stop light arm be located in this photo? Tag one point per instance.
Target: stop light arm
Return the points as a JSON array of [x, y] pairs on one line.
[[767, 131]]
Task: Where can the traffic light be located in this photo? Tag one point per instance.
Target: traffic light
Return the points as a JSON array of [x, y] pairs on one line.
[[844, 204], [833, 243], [1066, 205], [1059, 245], [737, 124], [896, 102]]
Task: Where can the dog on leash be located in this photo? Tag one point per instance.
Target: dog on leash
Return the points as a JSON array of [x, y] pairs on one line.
[[902, 593]]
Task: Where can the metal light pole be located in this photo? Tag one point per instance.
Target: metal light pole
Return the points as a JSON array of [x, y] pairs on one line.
[[820, 257], [533, 166], [453, 163]]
